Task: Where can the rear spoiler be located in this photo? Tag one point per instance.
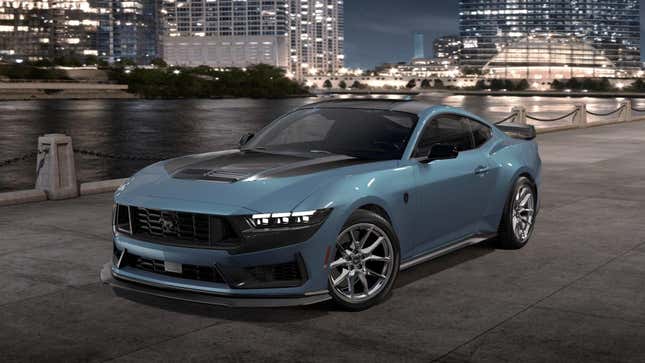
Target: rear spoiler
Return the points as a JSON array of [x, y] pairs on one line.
[[526, 132]]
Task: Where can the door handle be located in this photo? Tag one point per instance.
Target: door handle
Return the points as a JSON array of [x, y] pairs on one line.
[[482, 170]]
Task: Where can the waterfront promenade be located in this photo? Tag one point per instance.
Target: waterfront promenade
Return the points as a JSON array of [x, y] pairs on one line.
[[575, 293]]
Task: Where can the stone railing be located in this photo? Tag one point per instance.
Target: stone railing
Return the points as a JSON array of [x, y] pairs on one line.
[[580, 116]]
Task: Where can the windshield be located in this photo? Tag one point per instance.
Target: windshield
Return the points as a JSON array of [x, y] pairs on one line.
[[369, 134]]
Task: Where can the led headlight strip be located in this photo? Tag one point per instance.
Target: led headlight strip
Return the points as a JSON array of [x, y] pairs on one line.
[[266, 220]]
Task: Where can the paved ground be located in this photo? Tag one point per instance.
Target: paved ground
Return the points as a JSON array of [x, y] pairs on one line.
[[575, 293]]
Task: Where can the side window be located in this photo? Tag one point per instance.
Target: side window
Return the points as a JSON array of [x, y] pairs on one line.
[[445, 129], [481, 132]]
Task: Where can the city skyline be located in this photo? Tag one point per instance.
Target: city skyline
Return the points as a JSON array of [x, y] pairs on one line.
[[368, 31]]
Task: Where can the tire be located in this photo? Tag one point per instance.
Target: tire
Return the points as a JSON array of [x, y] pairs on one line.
[[518, 219], [368, 262]]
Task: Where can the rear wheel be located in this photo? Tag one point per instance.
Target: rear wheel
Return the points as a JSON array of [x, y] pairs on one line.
[[518, 219], [366, 262]]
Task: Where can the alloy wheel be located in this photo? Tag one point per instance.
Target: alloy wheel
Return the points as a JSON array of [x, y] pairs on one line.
[[363, 263], [523, 212]]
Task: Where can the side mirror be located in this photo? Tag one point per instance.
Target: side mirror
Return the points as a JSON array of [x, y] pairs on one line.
[[246, 138], [442, 152]]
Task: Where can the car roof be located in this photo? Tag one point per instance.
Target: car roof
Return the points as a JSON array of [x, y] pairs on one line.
[[409, 106]]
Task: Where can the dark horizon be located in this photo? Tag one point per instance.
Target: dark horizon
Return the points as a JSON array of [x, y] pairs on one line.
[[376, 32]]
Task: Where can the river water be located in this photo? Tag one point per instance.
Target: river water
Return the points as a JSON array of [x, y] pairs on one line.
[[179, 127]]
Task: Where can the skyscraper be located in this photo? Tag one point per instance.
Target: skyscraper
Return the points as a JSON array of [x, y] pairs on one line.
[[25, 30], [225, 33], [611, 27], [448, 47], [302, 36], [128, 29], [37, 29], [316, 37], [419, 51]]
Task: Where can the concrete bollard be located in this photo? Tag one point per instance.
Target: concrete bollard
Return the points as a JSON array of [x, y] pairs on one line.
[[626, 113], [520, 112], [55, 169], [580, 119]]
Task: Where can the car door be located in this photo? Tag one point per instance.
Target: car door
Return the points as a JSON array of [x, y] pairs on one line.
[[450, 194]]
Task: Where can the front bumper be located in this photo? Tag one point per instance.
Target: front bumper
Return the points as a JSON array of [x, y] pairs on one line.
[[235, 288], [109, 276]]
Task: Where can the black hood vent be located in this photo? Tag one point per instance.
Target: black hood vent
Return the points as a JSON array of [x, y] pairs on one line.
[[225, 176]]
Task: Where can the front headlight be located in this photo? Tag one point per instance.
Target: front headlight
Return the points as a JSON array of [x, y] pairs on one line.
[[288, 219]]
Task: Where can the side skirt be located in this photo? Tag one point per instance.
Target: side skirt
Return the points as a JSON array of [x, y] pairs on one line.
[[445, 250]]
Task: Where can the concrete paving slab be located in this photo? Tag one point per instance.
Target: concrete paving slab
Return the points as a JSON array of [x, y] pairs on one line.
[[23, 236], [423, 331], [546, 335], [90, 215], [614, 291], [88, 324]]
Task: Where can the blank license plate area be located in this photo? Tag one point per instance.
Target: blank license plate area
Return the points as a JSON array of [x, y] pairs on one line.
[[172, 267]]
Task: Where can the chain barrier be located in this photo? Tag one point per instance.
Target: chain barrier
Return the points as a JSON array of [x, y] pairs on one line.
[[636, 109], [24, 157], [31, 155], [42, 162], [574, 112], [512, 117], [608, 113], [99, 154]]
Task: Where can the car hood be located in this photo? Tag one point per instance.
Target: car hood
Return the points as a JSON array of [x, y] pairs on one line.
[[237, 182]]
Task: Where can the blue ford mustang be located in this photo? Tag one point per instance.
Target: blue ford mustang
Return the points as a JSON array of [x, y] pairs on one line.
[[331, 200]]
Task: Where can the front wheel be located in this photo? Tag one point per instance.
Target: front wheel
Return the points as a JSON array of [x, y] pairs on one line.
[[366, 262], [518, 219]]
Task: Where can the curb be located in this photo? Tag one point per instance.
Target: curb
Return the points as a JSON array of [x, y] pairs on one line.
[[35, 195], [22, 196], [104, 186]]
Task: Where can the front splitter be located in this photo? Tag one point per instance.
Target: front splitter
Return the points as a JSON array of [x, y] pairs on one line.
[[120, 282]]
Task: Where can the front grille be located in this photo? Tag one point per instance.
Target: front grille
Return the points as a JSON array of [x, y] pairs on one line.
[[191, 272], [180, 228]]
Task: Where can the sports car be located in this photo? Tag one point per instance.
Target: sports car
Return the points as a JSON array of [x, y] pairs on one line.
[[330, 201]]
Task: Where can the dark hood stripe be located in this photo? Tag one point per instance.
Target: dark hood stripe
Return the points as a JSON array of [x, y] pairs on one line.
[[237, 165]]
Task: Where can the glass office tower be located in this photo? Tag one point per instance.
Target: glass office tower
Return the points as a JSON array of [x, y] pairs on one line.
[[37, 29], [612, 27], [419, 45]]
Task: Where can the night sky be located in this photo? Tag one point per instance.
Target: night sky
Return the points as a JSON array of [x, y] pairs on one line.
[[378, 31]]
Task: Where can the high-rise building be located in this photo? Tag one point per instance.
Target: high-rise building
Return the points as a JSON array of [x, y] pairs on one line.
[[74, 28], [610, 27], [151, 48], [110, 29], [128, 29], [448, 48], [38, 29], [226, 33], [419, 46], [316, 37], [24, 30], [301, 36], [105, 29]]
